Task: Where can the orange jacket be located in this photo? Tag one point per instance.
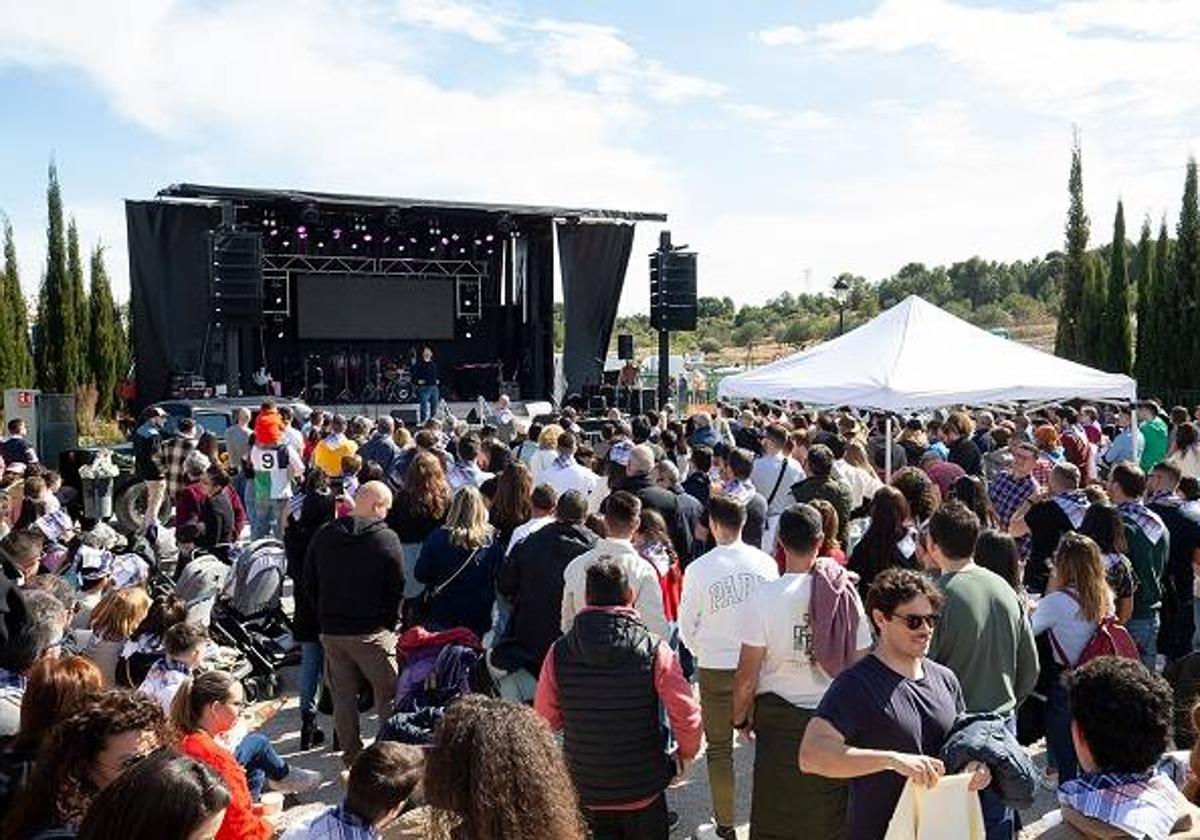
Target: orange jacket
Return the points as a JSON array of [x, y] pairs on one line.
[[241, 822]]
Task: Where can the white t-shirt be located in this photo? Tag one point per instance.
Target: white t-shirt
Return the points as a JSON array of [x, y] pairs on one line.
[[717, 587], [274, 469], [573, 476], [777, 619], [1059, 612], [764, 475], [642, 576]]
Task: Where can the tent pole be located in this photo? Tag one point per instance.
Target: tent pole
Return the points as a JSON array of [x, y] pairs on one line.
[[887, 449]]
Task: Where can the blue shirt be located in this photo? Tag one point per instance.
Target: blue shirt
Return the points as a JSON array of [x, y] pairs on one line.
[[334, 823], [1122, 448]]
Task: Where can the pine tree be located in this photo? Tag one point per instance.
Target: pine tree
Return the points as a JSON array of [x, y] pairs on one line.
[[16, 318], [1166, 350], [1070, 328], [1146, 360], [57, 335], [1091, 312], [1117, 331], [1187, 278], [103, 349], [80, 365]]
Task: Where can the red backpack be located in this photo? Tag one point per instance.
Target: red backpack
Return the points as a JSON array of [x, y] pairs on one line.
[[1110, 639]]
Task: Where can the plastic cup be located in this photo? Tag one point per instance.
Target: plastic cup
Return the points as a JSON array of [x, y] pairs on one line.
[[272, 803]]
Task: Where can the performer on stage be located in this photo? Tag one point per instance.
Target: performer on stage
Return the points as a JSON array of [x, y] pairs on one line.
[[425, 377]]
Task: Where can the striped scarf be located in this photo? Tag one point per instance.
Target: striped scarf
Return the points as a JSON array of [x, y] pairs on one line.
[[1145, 519], [1140, 804], [1073, 503]]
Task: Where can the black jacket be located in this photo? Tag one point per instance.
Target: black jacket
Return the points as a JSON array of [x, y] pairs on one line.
[[966, 454], [316, 510], [531, 577], [354, 575], [985, 738], [613, 740], [147, 443], [667, 504]]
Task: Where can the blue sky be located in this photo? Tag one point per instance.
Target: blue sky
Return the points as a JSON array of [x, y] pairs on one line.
[[788, 141]]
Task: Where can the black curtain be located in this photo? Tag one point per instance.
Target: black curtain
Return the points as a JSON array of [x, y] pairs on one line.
[[168, 290], [593, 258]]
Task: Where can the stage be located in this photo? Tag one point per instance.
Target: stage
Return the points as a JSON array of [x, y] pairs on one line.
[[333, 297], [524, 412]]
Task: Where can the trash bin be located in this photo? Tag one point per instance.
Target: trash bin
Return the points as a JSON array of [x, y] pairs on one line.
[[97, 497]]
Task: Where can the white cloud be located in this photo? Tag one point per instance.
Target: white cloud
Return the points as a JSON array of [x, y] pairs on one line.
[[458, 18], [780, 36]]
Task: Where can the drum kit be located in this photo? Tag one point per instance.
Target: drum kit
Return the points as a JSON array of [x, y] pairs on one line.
[[357, 377]]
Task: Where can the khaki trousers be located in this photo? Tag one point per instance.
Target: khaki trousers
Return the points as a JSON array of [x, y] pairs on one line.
[[349, 660], [716, 711]]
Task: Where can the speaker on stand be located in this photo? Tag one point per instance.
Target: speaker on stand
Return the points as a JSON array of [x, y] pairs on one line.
[[625, 347]]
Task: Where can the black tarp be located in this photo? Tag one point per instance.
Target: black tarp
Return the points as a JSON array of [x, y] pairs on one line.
[[168, 290], [593, 258]]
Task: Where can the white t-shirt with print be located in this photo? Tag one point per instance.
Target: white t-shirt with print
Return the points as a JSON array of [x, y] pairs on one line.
[[275, 467], [778, 619]]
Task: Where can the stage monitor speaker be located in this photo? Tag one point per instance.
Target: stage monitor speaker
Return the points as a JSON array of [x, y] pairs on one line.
[[597, 404], [625, 346], [673, 290], [407, 415]]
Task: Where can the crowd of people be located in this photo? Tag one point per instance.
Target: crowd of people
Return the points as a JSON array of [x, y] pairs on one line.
[[552, 629]]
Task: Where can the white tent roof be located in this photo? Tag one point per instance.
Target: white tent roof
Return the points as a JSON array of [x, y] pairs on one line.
[[916, 356]]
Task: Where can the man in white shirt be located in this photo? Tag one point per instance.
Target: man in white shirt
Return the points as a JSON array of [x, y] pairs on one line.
[[565, 473], [542, 500], [622, 513], [780, 679], [466, 469], [275, 470], [717, 592], [774, 472]]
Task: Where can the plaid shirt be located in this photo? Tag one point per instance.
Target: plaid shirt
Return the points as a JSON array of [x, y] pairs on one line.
[[1139, 805], [1008, 493], [171, 460], [334, 823]]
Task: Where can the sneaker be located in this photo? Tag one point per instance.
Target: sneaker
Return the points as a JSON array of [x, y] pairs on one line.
[[726, 832], [672, 820], [713, 830], [298, 780]]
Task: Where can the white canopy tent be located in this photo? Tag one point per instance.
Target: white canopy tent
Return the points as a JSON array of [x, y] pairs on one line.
[[916, 356]]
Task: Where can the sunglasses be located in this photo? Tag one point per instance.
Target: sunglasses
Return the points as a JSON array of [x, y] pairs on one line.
[[914, 621]]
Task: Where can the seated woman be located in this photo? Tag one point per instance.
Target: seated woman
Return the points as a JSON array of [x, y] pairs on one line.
[[114, 620], [165, 795], [83, 754], [207, 707], [458, 565], [56, 687]]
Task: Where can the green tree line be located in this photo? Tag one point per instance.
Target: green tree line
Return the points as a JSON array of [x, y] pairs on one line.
[[79, 337]]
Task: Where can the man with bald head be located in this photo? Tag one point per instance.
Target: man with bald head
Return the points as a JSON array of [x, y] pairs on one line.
[[354, 578]]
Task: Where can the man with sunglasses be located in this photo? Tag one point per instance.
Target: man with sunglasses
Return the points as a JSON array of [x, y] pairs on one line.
[[886, 718]]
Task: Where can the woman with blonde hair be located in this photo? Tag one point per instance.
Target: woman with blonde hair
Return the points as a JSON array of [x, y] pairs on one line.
[[458, 566], [113, 623], [861, 477], [1076, 601], [547, 451]]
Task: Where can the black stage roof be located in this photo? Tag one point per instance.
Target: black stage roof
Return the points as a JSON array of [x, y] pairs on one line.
[[214, 193]]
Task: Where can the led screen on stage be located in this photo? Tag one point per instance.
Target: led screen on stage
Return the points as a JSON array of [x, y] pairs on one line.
[[340, 306]]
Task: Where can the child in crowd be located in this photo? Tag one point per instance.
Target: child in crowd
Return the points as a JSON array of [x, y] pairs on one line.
[[384, 781], [183, 648]]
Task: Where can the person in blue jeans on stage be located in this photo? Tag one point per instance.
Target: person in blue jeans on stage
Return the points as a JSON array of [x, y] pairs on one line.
[[425, 377]]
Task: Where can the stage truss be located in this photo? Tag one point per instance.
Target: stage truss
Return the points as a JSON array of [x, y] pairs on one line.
[[468, 276]]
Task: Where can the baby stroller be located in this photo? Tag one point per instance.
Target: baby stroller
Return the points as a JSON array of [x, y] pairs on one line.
[[249, 614]]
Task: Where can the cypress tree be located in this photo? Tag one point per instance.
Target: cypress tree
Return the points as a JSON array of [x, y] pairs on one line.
[[103, 348], [16, 318], [57, 336], [1146, 361], [1187, 277], [1091, 312], [80, 365], [1166, 351], [1117, 341], [8, 335], [1068, 338]]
